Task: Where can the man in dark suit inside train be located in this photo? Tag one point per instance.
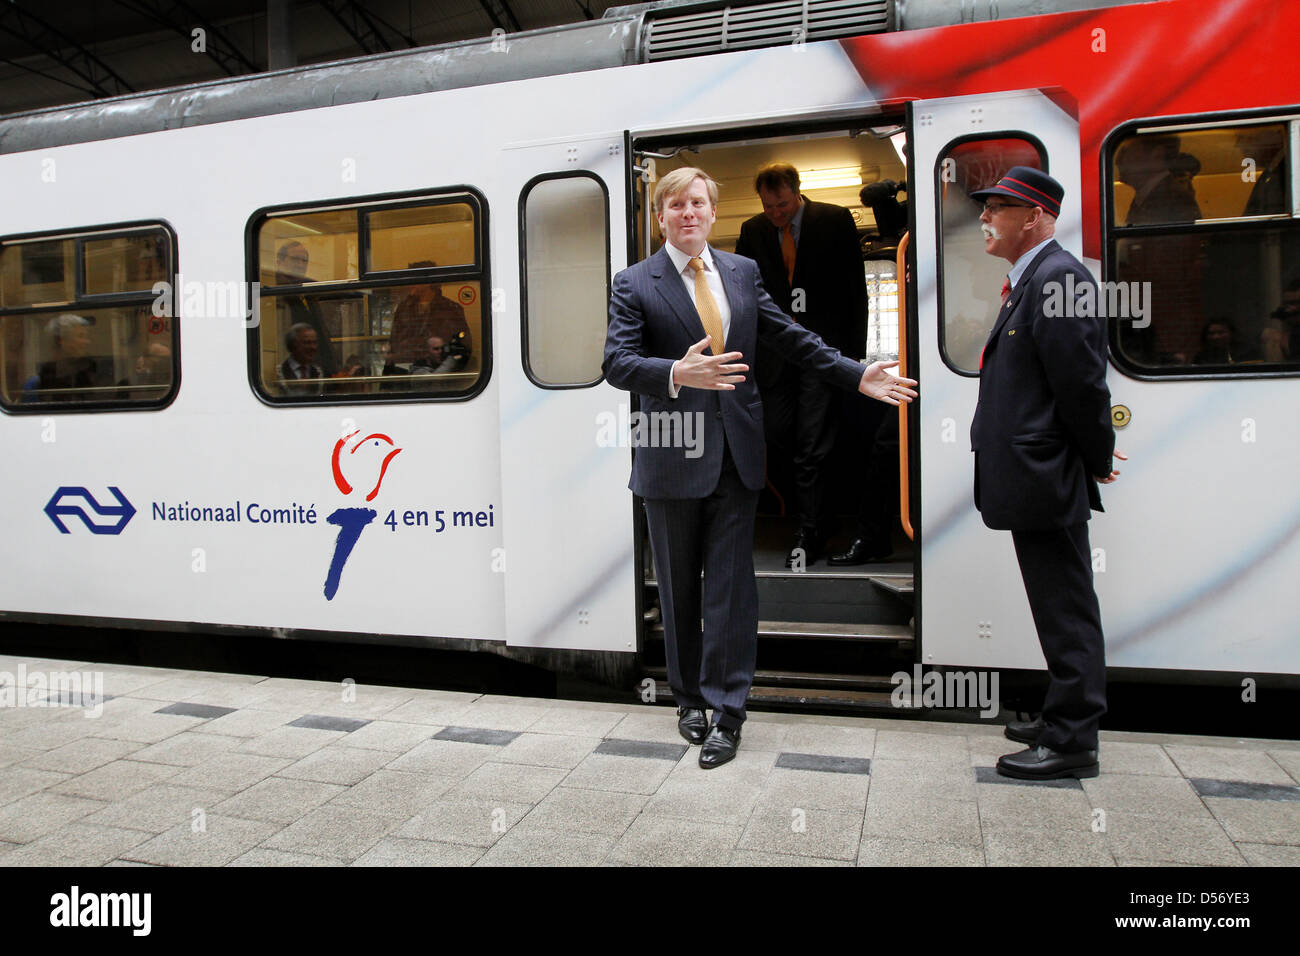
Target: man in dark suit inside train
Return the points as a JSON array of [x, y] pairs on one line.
[[1043, 441], [811, 263], [671, 319]]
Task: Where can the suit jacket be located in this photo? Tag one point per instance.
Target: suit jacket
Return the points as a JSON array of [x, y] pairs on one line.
[[652, 322], [1042, 427], [827, 267]]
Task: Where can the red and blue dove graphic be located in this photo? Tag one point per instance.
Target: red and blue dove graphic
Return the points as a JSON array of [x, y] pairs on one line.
[[374, 453]]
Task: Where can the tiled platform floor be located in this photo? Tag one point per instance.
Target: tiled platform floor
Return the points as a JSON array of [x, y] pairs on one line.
[[196, 768]]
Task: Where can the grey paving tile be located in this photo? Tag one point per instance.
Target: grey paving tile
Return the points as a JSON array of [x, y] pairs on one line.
[[128, 863], [387, 735], [18, 782], [786, 789], [186, 750], [1228, 763], [9, 754], [230, 772], [713, 802], [888, 851], [115, 781], [655, 724], [291, 743], [826, 833], [1263, 854], [43, 733], [157, 808], [335, 830], [1288, 760], [395, 792], [587, 811], [33, 816], [1124, 757], [225, 694], [508, 783], [1258, 821], [487, 714], [1170, 838], [622, 774], [219, 840], [579, 722], [931, 821], [756, 858], [990, 775], [823, 764], [663, 841], [183, 688], [471, 822], [1035, 808], [1245, 791], [186, 709], [335, 764], [260, 856], [400, 851], [277, 799], [243, 724], [146, 728], [985, 750], [832, 740], [1143, 794], [926, 780], [120, 680], [325, 722], [83, 755], [909, 745], [444, 758], [548, 750], [652, 750], [531, 845], [76, 844], [1004, 846], [436, 711], [477, 735]]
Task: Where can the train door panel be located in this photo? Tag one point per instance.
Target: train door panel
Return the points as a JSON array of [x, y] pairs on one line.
[[567, 541], [973, 607]]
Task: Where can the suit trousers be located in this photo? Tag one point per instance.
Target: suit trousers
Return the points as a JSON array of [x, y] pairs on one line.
[[712, 667], [801, 411], [1056, 566]]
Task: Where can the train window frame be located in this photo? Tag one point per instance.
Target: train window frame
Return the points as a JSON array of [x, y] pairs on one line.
[[940, 266], [368, 280], [524, 340], [1112, 233], [82, 299]]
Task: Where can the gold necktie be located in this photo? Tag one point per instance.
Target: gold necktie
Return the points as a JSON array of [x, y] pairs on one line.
[[787, 252], [707, 306]]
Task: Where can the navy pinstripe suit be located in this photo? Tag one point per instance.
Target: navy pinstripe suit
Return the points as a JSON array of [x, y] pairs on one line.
[[700, 509]]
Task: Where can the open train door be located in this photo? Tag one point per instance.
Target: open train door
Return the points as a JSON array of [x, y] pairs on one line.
[[564, 468], [973, 611]]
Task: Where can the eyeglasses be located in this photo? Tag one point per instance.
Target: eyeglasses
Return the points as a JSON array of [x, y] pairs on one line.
[[992, 207]]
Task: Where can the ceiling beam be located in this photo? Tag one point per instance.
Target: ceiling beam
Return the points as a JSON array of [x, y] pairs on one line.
[[99, 78], [180, 17]]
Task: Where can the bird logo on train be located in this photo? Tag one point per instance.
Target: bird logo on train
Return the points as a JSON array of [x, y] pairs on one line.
[[368, 458]]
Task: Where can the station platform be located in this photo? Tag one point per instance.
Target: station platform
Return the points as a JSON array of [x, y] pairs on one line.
[[194, 768]]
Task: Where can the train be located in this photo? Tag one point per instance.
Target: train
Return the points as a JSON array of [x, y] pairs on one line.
[[316, 353]]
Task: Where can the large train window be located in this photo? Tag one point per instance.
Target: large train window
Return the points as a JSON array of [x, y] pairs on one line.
[[970, 280], [370, 301], [82, 324], [565, 278], [1203, 237]]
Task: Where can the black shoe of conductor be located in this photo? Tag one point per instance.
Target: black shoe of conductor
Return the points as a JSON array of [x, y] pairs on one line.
[[1043, 763], [1025, 731], [719, 747], [692, 725]]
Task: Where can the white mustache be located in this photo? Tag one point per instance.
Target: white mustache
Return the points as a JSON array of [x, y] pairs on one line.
[[989, 231]]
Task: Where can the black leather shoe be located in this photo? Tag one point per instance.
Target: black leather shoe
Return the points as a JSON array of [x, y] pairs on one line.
[[806, 542], [1042, 763], [719, 747], [1025, 731], [692, 724], [861, 551]]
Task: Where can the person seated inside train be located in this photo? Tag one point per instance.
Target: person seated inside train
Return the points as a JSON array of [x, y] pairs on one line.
[[153, 366], [291, 264], [299, 373], [1147, 163], [441, 356], [1280, 338], [72, 369], [425, 312], [1263, 152], [1219, 345]]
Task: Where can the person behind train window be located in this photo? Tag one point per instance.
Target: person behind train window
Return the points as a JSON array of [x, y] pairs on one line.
[[423, 313], [441, 356], [1147, 163], [154, 365], [72, 368], [1219, 344], [299, 371], [1280, 337], [810, 261], [1265, 148], [291, 261]]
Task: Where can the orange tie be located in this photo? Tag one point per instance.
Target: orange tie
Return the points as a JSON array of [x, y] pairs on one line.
[[707, 306], [787, 252]]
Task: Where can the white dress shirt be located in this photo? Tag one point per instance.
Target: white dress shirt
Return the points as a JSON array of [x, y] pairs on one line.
[[682, 262]]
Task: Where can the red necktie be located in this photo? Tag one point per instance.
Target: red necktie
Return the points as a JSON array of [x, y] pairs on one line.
[[1006, 289]]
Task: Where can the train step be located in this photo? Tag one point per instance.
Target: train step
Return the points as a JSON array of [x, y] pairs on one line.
[[831, 698], [796, 679], [822, 631]]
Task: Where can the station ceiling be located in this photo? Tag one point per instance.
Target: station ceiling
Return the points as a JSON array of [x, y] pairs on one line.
[[55, 52]]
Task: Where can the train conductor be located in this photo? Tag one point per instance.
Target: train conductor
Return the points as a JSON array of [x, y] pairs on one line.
[[1043, 441], [672, 319]]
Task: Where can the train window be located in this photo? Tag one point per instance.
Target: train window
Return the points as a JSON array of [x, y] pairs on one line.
[[1200, 228], [970, 279], [393, 313], [564, 224], [63, 346]]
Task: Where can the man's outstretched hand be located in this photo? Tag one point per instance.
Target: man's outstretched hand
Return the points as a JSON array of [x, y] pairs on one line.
[[879, 384], [718, 372]]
